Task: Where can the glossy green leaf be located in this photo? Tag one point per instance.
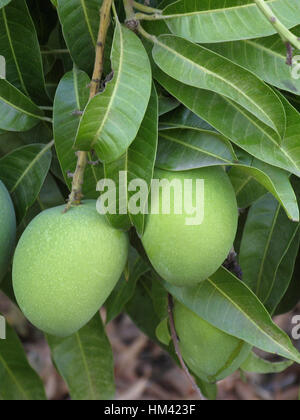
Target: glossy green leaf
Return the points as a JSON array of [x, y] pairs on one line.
[[182, 117], [292, 295], [265, 57], [247, 189], [183, 149], [112, 119], [18, 112], [267, 238], [274, 180], [18, 381], [136, 164], [163, 333], [124, 290], [241, 127], [23, 171], [204, 21], [85, 361], [255, 364], [20, 47], [80, 23], [199, 67], [72, 96], [228, 304]]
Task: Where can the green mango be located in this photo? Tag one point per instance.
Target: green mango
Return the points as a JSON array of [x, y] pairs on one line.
[[209, 352], [65, 267], [7, 230], [182, 253]]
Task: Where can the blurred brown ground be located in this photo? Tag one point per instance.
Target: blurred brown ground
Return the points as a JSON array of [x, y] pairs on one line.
[[144, 371]]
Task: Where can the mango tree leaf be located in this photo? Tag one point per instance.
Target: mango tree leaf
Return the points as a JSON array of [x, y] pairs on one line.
[[112, 119], [265, 57], [137, 164], [18, 381], [274, 180], [238, 125], [20, 47], [182, 149], [196, 66], [4, 3], [292, 295], [228, 304], [18, 112], [247, 189], [85, 361], [202, 21], [71, 97], [255, 364], [268, 236], [23, 171], [80, 23], [182, 117], [124, 290]]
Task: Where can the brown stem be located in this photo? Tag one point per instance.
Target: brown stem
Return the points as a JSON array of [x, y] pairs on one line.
[[78, 177], [177, 348]]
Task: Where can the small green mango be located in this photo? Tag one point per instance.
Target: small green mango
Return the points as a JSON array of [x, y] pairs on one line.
[[65, 267], [209, 352], [184, 254], [7, 230]]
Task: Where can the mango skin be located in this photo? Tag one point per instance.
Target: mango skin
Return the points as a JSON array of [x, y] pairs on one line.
[[65, 267], [7, 230], [209, 352], [186, 255]]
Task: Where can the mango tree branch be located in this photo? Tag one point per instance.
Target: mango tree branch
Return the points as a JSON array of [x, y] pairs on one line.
[[286, 35], [177, 348], [78, 177]]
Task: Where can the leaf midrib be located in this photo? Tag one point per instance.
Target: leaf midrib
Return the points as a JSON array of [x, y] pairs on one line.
[[86, 16]]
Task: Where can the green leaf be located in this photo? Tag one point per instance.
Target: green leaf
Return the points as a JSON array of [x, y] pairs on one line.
[[124, 290], [292, 295], [72, 96], [241, 127], [267, 238], [18, 381], [85, 361], [20, 47], [255, 364], [274, 180], [228, 304], [18, 112], [183, 149], [4, 3], [112, 119], [265, 57], [23, 171], [136, 164], [182, 117], [247, 189], [163, 333], [204, 21], [80, 23], [199, 67]]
